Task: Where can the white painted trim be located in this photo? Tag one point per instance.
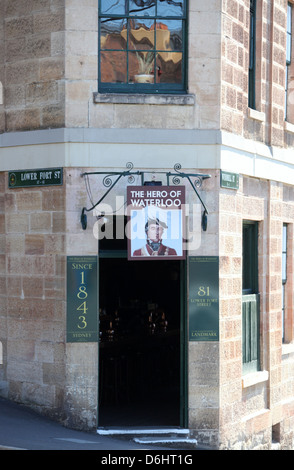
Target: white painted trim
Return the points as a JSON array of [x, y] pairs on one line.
[[109, 155], [147, 430], [289, 127], [161, 99], [287, 349], [254, 378], [85, 135], [146, 148], [256, 115]]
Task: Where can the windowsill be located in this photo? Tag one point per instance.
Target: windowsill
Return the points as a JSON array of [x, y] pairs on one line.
[[254, 378], [256, 115], [287, 348], [289, 127], [160, 99]]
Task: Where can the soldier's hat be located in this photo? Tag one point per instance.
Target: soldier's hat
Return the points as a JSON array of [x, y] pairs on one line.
[[155, 221]]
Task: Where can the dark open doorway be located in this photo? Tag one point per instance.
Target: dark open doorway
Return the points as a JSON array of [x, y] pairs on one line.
[[140, 342]]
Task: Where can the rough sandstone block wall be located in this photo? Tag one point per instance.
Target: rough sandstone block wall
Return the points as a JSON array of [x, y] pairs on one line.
[[32, 314], [49, 70], [32, 64], [268, 123], [39, 227], [249, 412]]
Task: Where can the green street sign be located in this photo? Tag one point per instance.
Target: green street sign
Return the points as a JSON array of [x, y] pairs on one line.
[[203, 298], [82, 300], [229, 180], [36, 177]]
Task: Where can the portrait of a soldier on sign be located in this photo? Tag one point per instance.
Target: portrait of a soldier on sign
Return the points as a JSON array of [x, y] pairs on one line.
[[155, 223], [154, 229]]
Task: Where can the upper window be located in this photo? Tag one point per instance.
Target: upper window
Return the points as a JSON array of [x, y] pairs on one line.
[[142, 46], [288, 57], [250, 300], [252, 55], [284, 277]]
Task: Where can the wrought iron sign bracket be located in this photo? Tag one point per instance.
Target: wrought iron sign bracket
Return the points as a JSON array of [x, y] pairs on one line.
[[107, 182]]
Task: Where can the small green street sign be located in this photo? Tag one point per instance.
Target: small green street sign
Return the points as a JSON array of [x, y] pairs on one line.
[[229, 180], [36, 177]]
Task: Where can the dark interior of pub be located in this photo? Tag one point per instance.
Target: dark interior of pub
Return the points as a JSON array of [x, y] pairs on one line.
[[139, 347]]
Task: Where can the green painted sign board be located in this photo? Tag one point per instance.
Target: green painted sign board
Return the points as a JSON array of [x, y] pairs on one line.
[[82, 299], [36, 177], [203, 298], [229, 180]]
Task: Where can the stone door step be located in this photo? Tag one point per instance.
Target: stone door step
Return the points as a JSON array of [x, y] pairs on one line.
[[175, 437], [168, 441], [144, 430]]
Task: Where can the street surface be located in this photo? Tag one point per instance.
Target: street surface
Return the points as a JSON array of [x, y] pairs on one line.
[[23, 429]]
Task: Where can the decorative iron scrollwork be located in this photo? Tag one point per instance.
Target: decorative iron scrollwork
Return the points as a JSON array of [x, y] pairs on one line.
[[130, 175], [107, 181]]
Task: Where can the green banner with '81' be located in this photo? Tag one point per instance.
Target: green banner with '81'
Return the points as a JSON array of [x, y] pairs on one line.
[[203, 298]]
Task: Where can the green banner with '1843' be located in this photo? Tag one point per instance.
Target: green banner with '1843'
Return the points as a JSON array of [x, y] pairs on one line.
[[82, 301]]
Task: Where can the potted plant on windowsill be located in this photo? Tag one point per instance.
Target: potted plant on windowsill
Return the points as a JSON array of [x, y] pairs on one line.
[[146, 64]]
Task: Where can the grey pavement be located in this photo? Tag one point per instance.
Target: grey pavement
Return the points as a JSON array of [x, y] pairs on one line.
[[23, 429]]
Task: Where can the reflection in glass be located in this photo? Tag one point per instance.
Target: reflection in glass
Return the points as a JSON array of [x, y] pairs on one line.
[[169, 35], [170, 8], [169, 67], [142, 42], [142, 7], [114, 66], [141, 67], [113, 7], [141, 34], [111, 34]]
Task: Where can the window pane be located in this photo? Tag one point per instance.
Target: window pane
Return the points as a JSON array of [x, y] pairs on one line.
[[113, 34], [289, 34], [141, 34], [142, 7], [169, 35], [284, 267], [288, 49], [284, 254], [113, 7], [129, 30], [114, 67], [289, 19], [169, 67], [141, 67], [170, 7], [283, 312], [250, 258], [284, 243]]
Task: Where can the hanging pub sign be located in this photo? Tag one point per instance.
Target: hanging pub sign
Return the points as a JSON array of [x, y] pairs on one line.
[[155, 222], [203, 298], [82, 302], [40, 177]]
